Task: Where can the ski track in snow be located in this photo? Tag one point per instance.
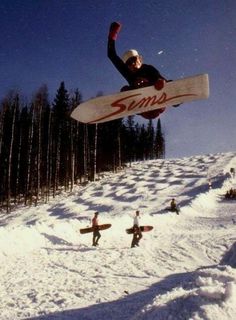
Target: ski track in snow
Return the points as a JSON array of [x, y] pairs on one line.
[[183, 269]]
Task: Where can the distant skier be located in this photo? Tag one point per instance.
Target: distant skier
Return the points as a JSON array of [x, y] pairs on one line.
[[96, 233], [137, 236], [230, 194], [133, 70], [232, 172], [174, 207], [227, 195], [209, 184]]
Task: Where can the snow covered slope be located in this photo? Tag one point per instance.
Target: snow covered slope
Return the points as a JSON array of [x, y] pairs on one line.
[[183, 269]]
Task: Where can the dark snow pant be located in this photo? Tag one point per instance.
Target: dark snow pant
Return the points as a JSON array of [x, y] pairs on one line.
[[96, 237], [176, 210], [136, 238]]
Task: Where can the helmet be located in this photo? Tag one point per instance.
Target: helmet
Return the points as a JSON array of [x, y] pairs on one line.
[[129, 54]]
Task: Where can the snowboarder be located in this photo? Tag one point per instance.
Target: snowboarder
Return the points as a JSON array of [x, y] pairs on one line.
[[133, 69], [174, 207], [137, 236], [96, 233]]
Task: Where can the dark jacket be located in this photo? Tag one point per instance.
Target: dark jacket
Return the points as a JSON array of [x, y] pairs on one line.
[[146, 75]]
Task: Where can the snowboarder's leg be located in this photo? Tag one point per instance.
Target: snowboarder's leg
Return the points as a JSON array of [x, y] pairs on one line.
[[98, 236], [94, 238], [136, 237], [134, 240], [139, 236]]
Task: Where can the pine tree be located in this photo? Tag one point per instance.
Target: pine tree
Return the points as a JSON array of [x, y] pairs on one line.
[[41, 106], [3, 112], [14, 108], [150, 140], [61, 136], [23, 151], [130, 140], [74, 140], [159, 141]]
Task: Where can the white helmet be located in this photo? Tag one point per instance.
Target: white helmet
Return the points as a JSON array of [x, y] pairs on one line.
[[129, 54]]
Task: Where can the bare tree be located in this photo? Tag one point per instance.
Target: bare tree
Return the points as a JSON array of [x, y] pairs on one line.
[[14, 108], [28, 194], [95, 152]]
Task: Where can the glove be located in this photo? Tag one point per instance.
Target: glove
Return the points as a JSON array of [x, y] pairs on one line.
[[114, 30], [159, 84]]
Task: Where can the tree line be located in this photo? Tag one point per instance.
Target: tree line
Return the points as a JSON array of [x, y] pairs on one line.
[[43, 150]]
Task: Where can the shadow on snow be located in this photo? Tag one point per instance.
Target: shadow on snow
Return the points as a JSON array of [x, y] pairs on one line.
[[129, 305]]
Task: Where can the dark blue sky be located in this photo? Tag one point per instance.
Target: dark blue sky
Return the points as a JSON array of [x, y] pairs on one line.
[[49, 41]]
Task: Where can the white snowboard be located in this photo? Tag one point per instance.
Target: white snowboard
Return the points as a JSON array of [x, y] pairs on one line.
[[123, 104]]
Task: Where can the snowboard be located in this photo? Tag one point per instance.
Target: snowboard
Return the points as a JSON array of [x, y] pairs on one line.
[[91, 229], [127, 103], [143, 229]]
